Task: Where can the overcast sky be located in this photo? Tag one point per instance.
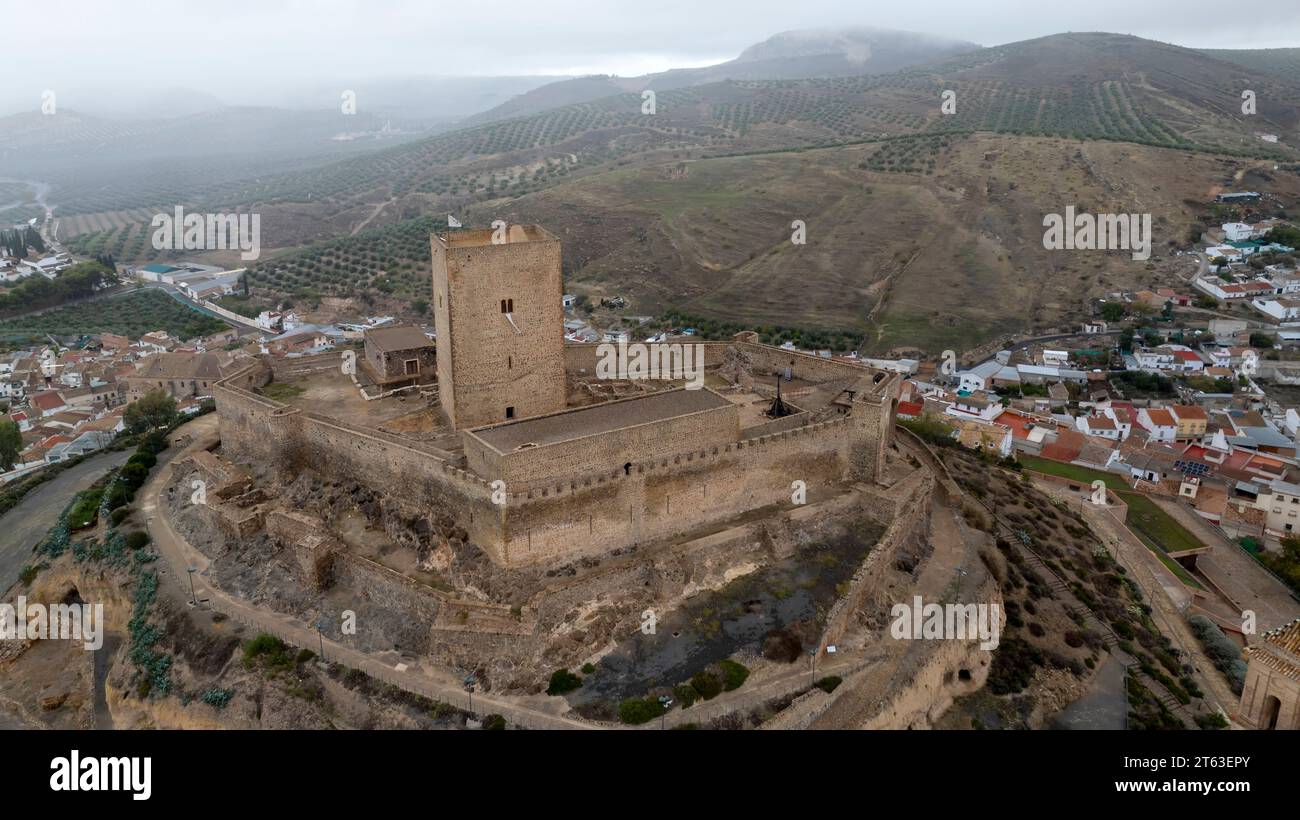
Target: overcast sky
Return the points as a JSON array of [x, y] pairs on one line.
[[240, 49]]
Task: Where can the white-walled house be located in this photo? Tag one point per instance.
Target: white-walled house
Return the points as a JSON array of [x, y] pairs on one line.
[[1283, 310], [1159, 422], [983, 435], [974, 406], [1236, 231], [1098, 427], [1169, 358], [978, 377]]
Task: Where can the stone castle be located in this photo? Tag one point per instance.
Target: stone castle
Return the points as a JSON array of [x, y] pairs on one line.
[[522, 464]]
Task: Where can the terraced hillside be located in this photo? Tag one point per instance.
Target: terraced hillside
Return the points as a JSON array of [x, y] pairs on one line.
[[1284, 62], [1088, 86], [917, 241], [923, 226]]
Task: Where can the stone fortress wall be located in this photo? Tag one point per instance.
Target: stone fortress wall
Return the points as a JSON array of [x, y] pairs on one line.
[[582, 514]]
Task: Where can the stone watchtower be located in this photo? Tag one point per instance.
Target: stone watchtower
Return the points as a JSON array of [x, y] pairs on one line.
[[498, 313]]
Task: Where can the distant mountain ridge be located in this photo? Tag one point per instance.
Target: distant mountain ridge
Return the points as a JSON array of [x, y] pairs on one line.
[[790, 55]]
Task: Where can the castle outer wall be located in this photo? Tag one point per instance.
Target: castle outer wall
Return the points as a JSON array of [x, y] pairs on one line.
[[580, 514]]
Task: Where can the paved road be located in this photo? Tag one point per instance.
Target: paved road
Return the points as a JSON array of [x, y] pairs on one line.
[[23, 527]]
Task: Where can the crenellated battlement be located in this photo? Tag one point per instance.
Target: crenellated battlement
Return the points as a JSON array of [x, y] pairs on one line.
[[692, 459]]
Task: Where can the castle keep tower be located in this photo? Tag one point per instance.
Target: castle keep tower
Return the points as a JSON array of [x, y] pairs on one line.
[[500, 324]]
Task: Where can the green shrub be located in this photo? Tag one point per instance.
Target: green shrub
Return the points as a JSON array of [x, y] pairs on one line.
[[269, 647], [133, 475], [143, 458], [494, 723], [635, 711], [829, 683], [1221, 650], [29, 574], [119, 495], [685, 694], [218, 698], [733, 674], [588, 669], [118, 515], [706, 685], [1213, 720], [562, 682], [137, 539], [85, 512]]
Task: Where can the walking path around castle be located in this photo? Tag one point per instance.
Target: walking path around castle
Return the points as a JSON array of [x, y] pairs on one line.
[[179, 554]]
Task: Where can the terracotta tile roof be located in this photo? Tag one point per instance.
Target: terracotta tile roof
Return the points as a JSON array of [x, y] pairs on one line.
[[909, 408], [1066, 447], [1160, 417], [47, 401], [1279, 649]]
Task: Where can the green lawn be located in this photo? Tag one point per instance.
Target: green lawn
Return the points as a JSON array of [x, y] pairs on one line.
[[1154, 527], [1083, 475], [1146, 515]]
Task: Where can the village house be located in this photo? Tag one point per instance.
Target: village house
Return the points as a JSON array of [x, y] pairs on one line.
[[401, 355], [1159, 423], [974, 406], [182, 375], [1190, 421], [984, 436]]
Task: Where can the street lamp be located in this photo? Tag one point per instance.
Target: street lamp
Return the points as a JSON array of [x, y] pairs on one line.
[[320, 632], [194, 601], [469, 687]]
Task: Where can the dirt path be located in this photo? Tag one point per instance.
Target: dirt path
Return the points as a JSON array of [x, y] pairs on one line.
[[103, 662], [373, 215]]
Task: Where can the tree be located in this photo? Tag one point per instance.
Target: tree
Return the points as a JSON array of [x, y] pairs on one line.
[[11, 444], [1112, 311], [155, 409]]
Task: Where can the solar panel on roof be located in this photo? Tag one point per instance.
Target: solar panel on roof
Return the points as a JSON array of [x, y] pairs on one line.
[[1192, 467]]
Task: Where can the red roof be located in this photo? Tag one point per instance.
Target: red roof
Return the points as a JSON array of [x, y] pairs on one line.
[[909, 408], [1187, 356], [1161, 417], [1066, 447], [47, 401]]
